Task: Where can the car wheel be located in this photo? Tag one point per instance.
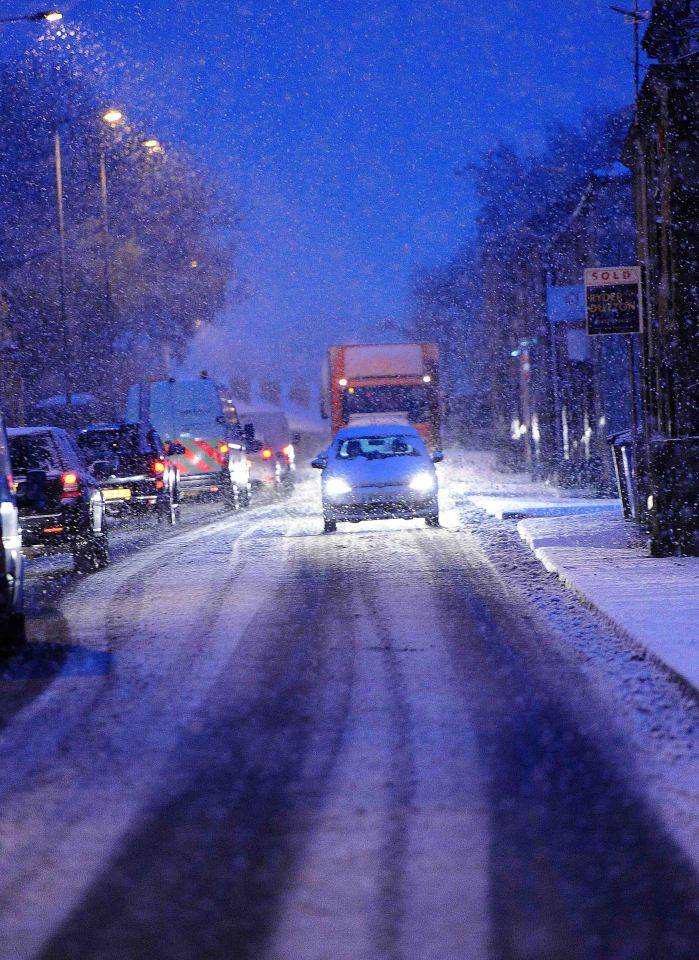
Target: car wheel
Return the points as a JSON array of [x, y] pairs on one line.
[[15, 634], [91, 553], [329, 526], [432, 520], [168, 510], [231, 495]]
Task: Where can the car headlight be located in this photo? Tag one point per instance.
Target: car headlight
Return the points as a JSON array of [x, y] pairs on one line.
[[336, 486], [422, 483]]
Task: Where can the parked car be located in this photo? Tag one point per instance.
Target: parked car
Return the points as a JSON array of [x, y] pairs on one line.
[[136, 475], [377, 473], [201, 432], [61, 507], [270, 451], [11, 559]]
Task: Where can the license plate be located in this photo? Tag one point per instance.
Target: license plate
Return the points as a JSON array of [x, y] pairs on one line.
[[117, 493]]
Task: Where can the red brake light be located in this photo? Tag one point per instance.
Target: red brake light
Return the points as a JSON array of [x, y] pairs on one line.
[[158, 467], [71, 485], [223, 448], [267, 454]]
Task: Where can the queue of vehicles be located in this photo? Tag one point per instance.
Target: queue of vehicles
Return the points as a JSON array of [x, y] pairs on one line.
[[183, 438], [60, 491]]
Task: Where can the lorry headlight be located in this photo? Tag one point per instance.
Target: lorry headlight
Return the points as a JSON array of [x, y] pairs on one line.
[[336, 486], [422, 483]]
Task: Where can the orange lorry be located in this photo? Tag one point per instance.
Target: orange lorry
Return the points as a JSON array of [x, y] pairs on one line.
[[384, 383]]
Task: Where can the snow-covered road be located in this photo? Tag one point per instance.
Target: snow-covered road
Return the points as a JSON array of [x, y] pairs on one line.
[[266, 742]]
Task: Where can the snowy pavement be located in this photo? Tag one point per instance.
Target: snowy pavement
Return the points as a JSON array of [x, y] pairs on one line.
[[654, 601], [604, 560]]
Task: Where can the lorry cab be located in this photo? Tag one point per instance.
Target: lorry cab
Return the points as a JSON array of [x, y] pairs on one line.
[[202, 435]]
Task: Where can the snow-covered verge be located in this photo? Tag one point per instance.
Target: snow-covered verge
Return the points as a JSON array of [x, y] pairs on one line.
[[654, 601]]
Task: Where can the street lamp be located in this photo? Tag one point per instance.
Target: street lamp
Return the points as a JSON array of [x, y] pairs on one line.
[[111, 117], [635, 17], [50, 16]]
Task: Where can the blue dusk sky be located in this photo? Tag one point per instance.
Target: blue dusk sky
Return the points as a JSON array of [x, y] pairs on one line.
[[337, 127]]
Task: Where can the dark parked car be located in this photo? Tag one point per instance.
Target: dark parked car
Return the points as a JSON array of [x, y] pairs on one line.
[[11, 560], [61, 508], [135, 473]]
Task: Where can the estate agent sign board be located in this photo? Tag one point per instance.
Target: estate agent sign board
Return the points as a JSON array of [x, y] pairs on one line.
[[613, 300]]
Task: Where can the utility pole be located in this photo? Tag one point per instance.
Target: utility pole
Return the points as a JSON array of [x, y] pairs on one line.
[[635, 17], [67, 339]]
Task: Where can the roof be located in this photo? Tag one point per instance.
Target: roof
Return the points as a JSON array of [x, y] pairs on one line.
[[59, 400], [32, 431], [384, 430], [110, 426]]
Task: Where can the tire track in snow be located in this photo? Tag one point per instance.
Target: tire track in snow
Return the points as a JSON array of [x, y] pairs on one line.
[[90, 773], [206, 869], [395, 865]]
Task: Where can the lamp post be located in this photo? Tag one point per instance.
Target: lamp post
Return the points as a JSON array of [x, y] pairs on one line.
[[112, 118], [636, 17], [60, 222], [49, 16]]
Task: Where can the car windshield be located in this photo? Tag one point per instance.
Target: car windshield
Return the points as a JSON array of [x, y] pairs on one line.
[[35, 451], [378, 447], [411, 400], [122, 441]]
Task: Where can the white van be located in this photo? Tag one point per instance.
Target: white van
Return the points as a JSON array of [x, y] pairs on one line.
[[202, 435]]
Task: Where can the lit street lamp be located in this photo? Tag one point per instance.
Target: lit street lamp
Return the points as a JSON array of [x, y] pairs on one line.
[[49, 16], [113, 118], [67, 337]]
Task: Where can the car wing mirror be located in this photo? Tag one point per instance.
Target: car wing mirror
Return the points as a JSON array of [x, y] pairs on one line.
[[437, 456], [319, 463]]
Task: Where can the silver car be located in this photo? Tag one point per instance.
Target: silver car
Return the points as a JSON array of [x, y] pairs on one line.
[[378, 473], [11, 560]]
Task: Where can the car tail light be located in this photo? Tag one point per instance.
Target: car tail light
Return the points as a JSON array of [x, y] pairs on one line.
[[71, 485], [158, 468], [267, 453], [223, 448], [288, 450]]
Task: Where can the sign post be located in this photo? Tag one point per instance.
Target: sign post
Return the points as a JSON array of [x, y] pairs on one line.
[[613, 302]]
